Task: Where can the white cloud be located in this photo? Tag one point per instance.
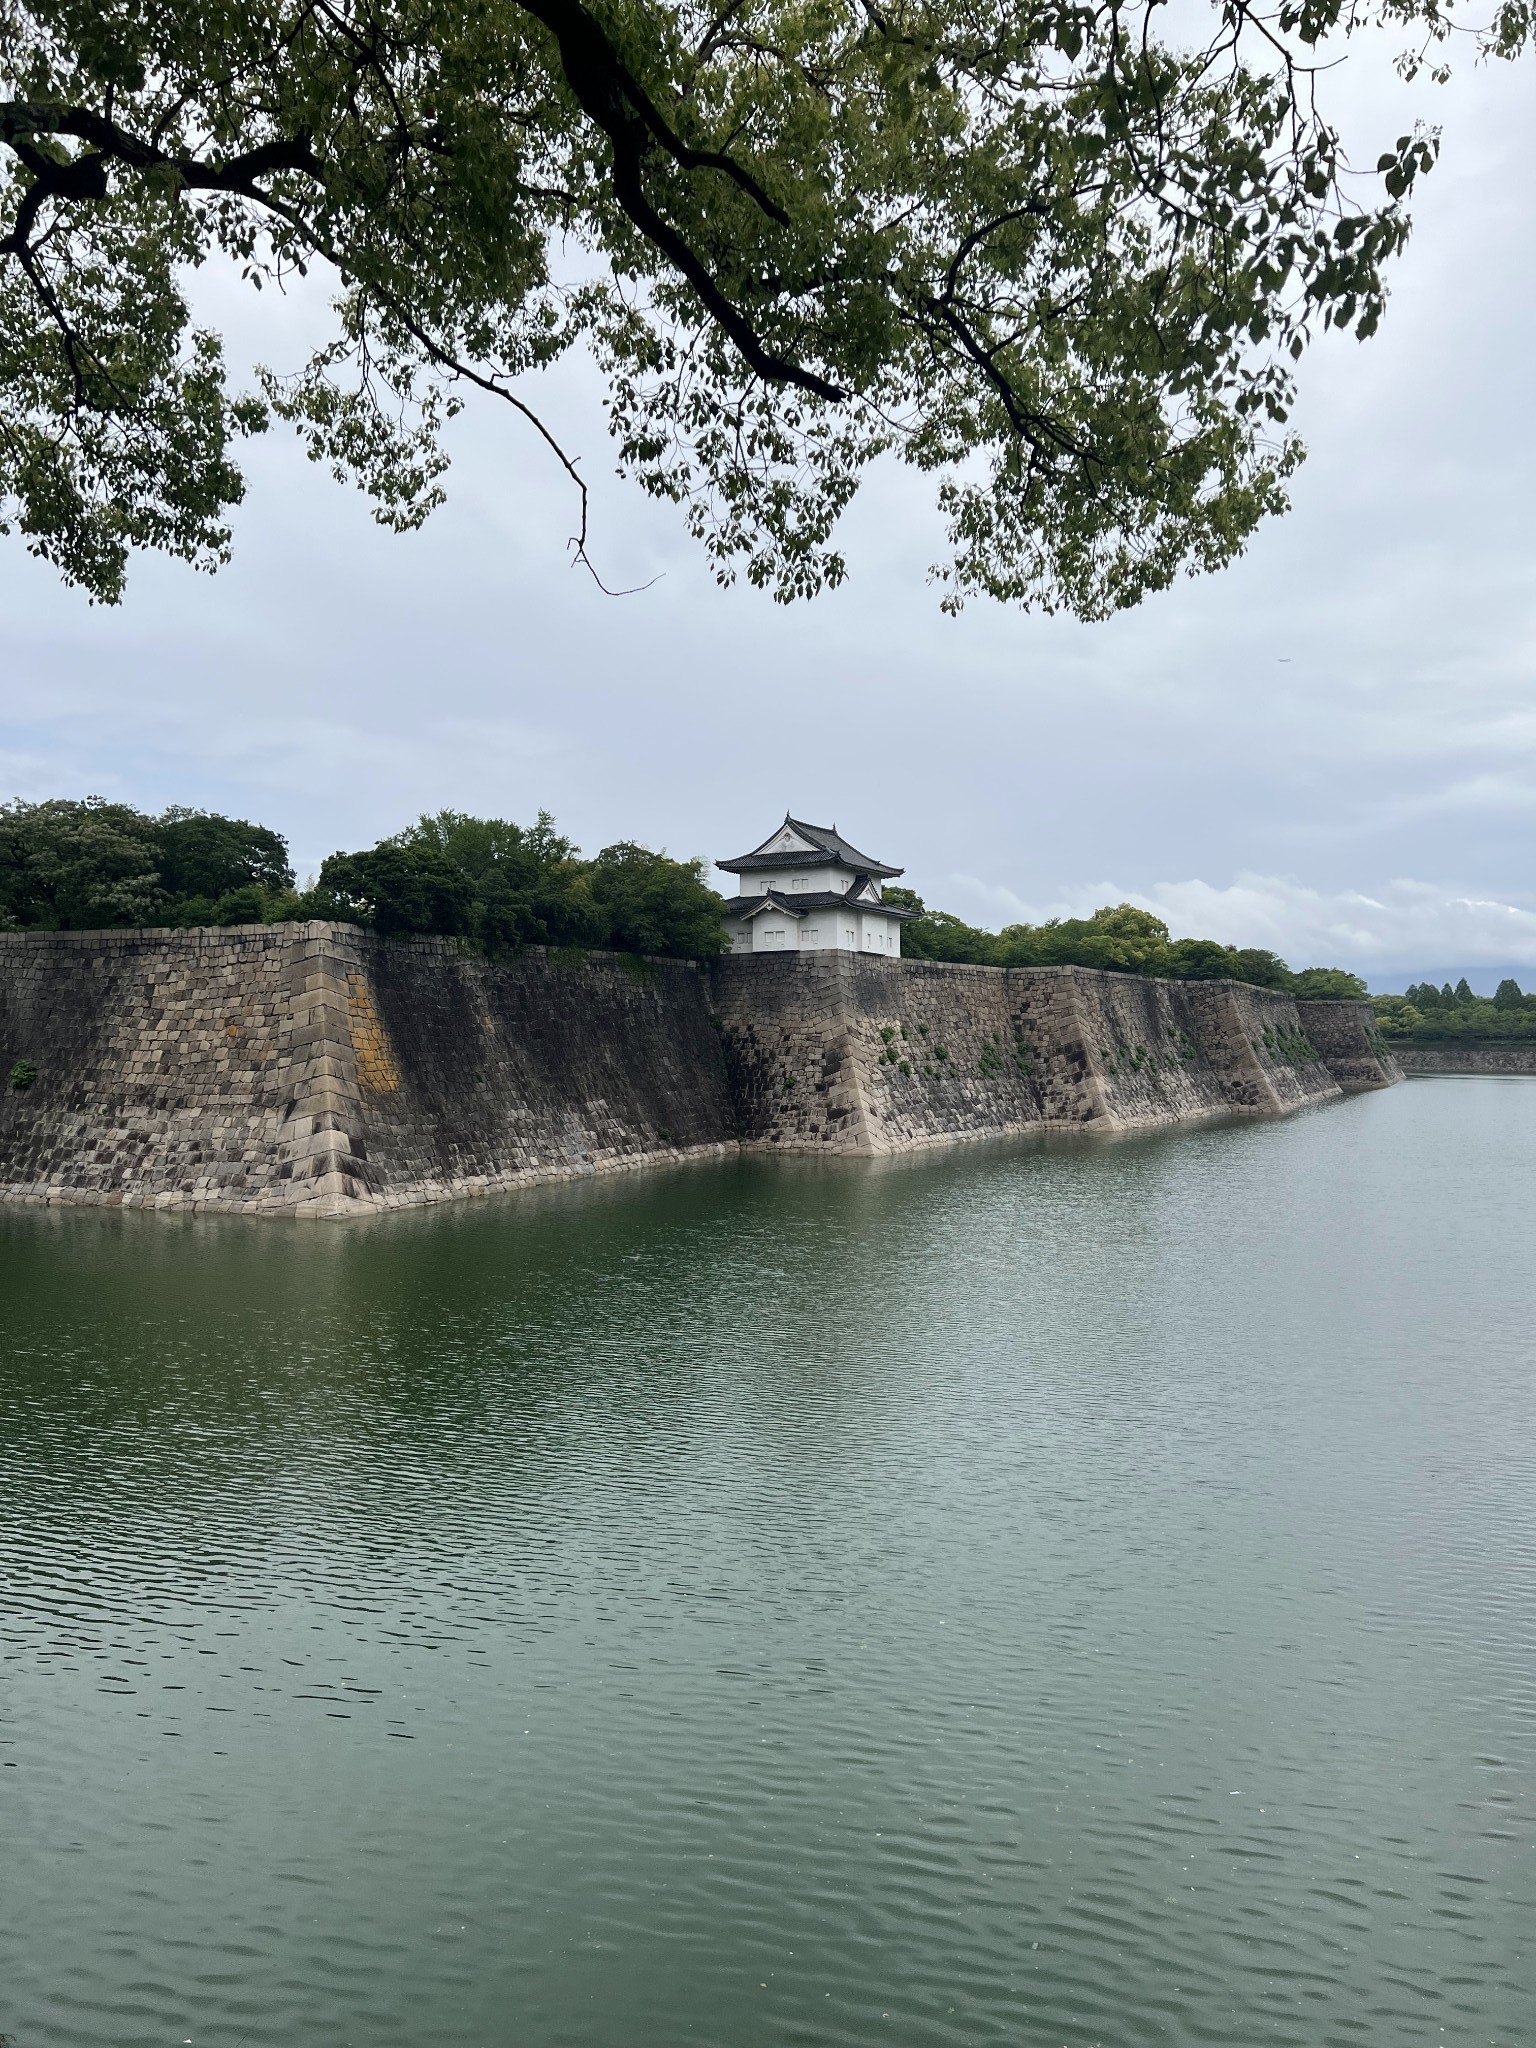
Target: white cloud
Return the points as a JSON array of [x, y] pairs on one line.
[[1406, 924]]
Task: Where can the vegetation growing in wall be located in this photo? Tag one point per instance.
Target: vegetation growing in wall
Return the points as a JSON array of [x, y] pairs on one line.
[[1427, 1015], [70, 866], [1120, 937], [1293, 1048]]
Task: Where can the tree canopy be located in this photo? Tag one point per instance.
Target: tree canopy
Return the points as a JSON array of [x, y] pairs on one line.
[[497, 886], [70, 866], [1427, 1015], [1059, 256], [1121, 937], [505, 886]]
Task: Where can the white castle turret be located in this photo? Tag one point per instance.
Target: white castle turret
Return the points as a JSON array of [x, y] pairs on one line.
[[805, 889]]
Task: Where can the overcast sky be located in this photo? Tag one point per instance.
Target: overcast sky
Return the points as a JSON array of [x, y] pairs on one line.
[[1330, 749]]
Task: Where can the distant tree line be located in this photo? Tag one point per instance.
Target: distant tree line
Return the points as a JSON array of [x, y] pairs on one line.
[[69, 866], [1120, 937], [1435, 1016]]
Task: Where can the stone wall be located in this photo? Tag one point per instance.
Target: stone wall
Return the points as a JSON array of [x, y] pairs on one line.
[[1466, 1059], [837, 1051], [316, 1070], [1351, 1044], [194, 1067], [492, 1073]]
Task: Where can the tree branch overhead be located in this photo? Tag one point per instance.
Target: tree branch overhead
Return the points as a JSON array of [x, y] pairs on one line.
[[1053, 259]]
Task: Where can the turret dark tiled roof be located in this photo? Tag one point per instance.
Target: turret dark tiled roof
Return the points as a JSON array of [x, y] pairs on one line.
[[809, 899], [827, 842]]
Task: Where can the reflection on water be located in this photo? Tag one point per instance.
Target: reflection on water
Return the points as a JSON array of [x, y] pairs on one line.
[[1058, 1594]]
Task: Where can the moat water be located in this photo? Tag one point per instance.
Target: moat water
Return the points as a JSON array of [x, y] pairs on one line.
[[1069, 1594]]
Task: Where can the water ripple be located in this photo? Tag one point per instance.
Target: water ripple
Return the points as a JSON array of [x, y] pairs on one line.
[[1059, 1594]]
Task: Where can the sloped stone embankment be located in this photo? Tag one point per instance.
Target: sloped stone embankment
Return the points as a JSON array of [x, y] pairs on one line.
[[835, 1050], [313, 1070], [317, 1071]]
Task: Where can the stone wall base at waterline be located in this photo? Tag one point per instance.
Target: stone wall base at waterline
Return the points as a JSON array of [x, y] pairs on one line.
[[1466, 1059]]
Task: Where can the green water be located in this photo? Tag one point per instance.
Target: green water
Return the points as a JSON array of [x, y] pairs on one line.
[[1053, 1595]]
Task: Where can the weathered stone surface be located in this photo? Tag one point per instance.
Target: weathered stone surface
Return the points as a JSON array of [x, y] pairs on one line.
[[866, 1055], [1466, 1059], [1347, 1036], [537, 1067], [316, 1071]]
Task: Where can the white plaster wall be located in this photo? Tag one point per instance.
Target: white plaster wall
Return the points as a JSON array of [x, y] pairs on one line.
[[874, 931], [831, 928], [774, 933], [796, 882]]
